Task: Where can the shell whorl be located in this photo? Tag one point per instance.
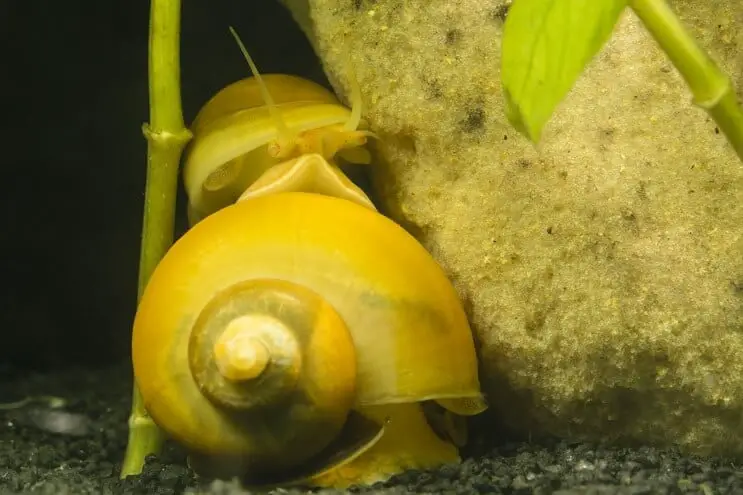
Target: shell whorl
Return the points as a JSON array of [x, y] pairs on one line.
[[396, 314]]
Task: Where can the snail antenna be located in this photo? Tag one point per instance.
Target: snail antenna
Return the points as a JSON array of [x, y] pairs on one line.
[[285, 136], [353, 122]]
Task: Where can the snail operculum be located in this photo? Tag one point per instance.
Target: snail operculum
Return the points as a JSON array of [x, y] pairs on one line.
[[447, 425], [358, 436]]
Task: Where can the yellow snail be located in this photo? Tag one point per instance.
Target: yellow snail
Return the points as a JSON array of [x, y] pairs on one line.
[[294, 334]]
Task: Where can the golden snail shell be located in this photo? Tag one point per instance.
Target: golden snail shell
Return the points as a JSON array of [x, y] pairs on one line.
[[392, 329]]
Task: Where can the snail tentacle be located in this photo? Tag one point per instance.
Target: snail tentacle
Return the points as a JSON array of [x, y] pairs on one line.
[[285, 138], [352, 123]]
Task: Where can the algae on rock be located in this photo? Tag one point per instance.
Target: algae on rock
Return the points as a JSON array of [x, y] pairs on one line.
[[603, 269]]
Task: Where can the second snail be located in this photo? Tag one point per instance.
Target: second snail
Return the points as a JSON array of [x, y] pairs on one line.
[[295, 335]]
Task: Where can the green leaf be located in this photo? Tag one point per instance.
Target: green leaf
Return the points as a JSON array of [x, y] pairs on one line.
[[546, 46]]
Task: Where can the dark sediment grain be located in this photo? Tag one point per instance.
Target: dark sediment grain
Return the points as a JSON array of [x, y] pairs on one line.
[[36, 461]]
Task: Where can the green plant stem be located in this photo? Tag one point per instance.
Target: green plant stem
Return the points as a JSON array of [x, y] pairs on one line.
[[711, 88], [166, 137]]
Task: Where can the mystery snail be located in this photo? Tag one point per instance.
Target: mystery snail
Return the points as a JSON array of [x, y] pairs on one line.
[[294, 334], [260, 122]]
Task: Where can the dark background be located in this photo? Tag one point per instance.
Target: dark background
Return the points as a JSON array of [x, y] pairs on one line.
[[74, 81]]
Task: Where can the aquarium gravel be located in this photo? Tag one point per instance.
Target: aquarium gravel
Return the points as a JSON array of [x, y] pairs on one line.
[[77, 449]]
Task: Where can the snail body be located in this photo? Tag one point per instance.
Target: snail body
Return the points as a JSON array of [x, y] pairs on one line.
[[293, 333]]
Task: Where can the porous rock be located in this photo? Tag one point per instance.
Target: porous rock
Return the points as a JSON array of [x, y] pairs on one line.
[[602, 270]]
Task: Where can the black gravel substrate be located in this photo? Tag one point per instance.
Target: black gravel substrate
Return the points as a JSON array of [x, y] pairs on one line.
[[87, 459]]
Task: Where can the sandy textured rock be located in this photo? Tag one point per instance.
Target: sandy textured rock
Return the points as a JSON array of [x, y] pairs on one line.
[[603, 270]]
